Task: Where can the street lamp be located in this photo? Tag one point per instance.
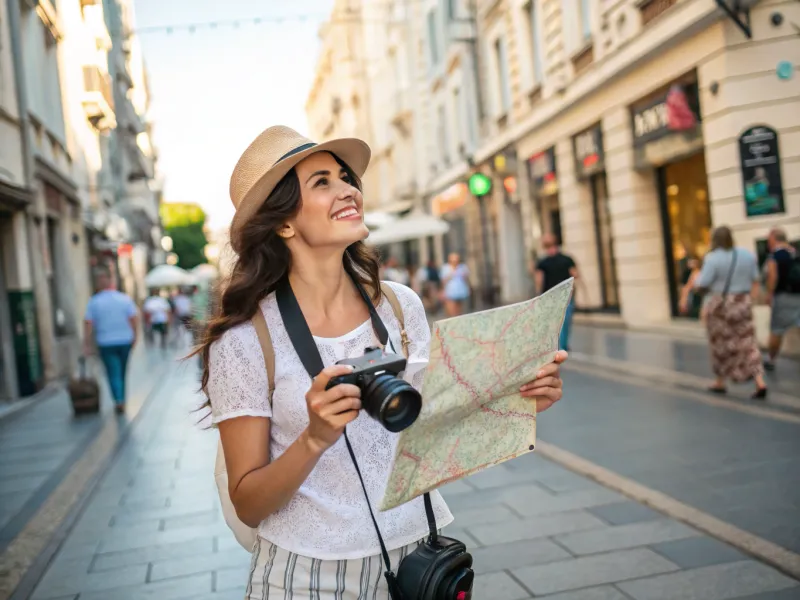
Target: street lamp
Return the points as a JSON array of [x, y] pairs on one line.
[[166, 243]]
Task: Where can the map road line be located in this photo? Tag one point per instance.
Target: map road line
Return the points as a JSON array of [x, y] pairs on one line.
[[764, 550], [589, 366]]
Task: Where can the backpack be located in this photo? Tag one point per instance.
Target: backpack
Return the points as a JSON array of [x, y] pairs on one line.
[[793, 275], [246, 536]]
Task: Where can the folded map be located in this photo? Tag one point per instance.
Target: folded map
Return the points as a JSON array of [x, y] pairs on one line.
[[473, 415]]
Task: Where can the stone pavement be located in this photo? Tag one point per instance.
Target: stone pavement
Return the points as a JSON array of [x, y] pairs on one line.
[[153, 530], [40, 443]]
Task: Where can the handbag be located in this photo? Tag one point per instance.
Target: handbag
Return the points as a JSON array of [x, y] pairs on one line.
[[438, 569]]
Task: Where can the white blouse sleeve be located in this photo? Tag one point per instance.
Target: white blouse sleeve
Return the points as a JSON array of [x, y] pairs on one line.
[[237, 382], [418, 331]]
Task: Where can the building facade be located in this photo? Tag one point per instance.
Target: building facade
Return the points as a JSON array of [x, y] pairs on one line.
[[57, 112], [654, 123]]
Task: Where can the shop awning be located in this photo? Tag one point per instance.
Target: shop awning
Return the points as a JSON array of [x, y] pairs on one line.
[[386, 213], [411, 227]]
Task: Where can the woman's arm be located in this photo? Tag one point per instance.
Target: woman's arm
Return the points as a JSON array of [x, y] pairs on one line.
[[257, 487]]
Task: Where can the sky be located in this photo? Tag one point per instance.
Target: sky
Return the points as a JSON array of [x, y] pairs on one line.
[[215, 90]]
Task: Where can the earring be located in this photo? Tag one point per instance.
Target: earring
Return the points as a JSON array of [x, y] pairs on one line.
[[286, 232]]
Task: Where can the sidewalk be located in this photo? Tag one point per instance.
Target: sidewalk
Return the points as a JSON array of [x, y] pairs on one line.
[[40, 447], [153, 529], [685, 362]]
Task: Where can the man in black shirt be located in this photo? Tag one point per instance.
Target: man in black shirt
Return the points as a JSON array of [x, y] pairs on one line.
[[783, 291], [552, 270]]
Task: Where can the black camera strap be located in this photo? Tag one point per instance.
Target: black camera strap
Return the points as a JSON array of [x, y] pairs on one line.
[[306, 348]]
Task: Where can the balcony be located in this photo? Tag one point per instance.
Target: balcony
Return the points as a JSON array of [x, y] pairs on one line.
[[98, 100]]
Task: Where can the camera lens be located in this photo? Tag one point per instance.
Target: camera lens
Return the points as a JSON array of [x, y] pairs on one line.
[[391, 401]]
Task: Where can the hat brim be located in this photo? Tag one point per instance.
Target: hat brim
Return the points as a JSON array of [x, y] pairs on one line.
[[354, 152]]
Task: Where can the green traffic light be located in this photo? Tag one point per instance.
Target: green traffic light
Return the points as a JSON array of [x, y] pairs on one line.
[[479, 184]]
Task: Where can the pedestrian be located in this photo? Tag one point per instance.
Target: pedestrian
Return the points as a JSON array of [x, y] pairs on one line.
[[730, 275], [783, 291], [556, 267], [183, 315], [299, 227], [393, 272], [156, 317], [456, 288], [111, 322]]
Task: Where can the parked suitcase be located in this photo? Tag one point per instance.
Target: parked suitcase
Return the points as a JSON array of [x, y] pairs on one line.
[[84, 391]]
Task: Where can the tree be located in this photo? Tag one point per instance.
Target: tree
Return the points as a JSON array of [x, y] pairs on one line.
[[184, 223]]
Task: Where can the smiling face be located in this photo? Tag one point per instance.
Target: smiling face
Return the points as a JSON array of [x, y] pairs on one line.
[[331, 209]]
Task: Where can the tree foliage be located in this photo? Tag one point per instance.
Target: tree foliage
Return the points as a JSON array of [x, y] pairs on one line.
[[184, 223]]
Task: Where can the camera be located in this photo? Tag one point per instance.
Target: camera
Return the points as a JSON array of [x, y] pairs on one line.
[[391, 401]]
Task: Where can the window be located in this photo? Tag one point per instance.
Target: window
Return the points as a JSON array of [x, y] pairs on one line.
[[536, 43], [586, 19], [444, 146], [502, 74], [433, 40], [459, 120], [452, 9]]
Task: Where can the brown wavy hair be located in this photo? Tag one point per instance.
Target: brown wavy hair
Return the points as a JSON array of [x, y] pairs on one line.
[[264, 260]]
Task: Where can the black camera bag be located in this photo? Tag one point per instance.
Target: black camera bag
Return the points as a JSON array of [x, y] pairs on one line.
[[438, 569]]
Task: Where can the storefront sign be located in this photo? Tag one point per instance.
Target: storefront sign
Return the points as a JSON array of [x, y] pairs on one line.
[[666, 127], [674, 111], [542, 170], [588, 149], [761, 171], [449, 200]]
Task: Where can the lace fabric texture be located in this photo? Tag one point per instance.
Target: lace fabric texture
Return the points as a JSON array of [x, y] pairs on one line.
[[328, 517]]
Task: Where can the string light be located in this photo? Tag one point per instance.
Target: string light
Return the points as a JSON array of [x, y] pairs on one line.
[[346, 16]]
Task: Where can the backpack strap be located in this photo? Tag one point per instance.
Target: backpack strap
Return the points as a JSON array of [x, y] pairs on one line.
[[387, 291], [260, 323]]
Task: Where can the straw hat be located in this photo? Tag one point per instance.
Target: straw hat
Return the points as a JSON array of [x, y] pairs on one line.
[[271, 156]]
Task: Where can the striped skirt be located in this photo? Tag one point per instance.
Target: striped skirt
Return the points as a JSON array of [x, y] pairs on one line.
[[277, 573]]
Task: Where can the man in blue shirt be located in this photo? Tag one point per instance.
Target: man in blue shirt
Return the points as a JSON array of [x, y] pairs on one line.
[[111, 322]]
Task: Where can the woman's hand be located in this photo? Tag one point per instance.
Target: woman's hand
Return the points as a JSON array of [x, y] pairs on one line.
[[546, 389], [330, 410]]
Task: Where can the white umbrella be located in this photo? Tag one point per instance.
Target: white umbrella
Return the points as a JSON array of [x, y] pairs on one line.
[[168, 276], [205, 272], [411, 227]]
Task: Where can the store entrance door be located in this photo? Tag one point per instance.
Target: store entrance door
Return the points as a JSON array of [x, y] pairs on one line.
[[686, 217], [7, 364]]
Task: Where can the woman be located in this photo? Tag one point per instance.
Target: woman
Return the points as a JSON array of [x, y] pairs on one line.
[[731, 276], [300, 216], [455, 279]]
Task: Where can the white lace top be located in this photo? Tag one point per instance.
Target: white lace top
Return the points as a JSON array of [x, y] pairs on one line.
[[328, 517]]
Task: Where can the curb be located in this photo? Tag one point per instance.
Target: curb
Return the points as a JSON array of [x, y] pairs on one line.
[[684, 381], [17, 407]]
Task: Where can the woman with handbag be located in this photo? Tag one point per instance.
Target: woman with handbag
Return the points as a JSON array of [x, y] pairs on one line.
[[731, 277], [299, 231]]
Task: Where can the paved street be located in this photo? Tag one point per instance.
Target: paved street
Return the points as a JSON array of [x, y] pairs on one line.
[[152, 529]]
